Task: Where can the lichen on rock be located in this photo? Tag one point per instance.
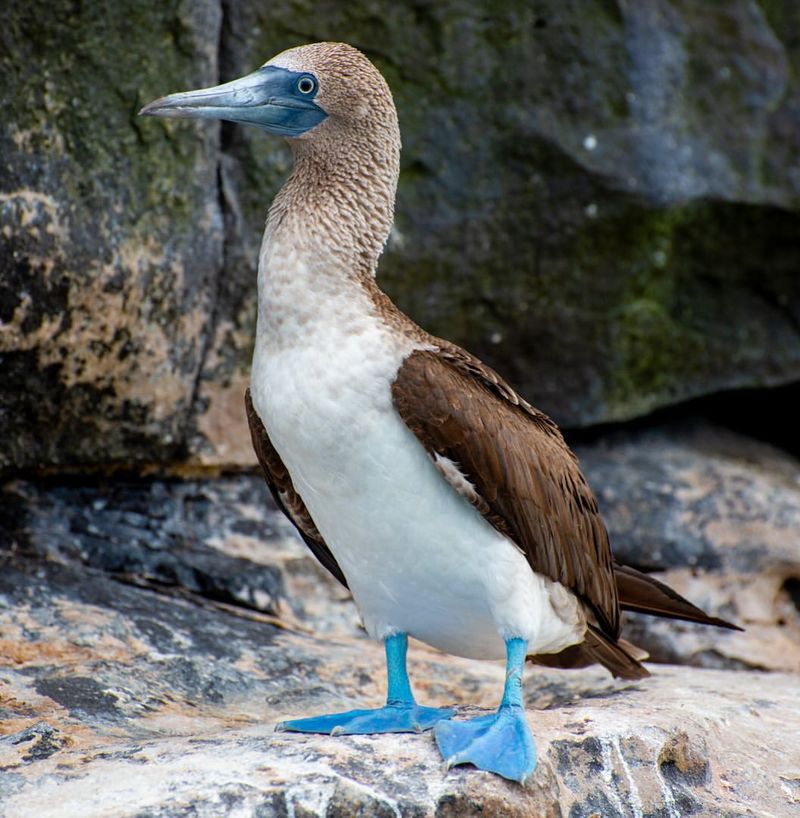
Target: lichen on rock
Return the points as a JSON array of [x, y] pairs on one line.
[[599, 201], [112, 235]]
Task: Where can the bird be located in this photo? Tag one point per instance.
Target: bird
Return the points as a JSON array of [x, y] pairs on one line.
[[452, 509]]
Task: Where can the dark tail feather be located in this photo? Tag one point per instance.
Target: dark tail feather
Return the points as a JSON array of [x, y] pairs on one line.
[[614, 655], [620, 657], [641, 593], [637, 592]]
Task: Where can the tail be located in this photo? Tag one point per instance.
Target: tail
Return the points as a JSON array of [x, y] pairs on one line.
[[620, 657], [637, 592], [641, 593]]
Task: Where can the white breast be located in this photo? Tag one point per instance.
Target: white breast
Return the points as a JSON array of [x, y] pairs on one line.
[[418, 558]]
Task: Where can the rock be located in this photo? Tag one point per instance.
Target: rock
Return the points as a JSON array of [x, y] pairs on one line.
[[220, 540], [118, 700], [157, 532], [594, 197], [111, 232], [611, 191], [614, 200], [157, 697], [718, 514]]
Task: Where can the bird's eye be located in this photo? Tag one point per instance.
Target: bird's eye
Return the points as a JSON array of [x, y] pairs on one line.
[[305, 85]]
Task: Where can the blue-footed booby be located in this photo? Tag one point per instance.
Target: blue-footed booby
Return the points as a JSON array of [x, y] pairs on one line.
[[452, 508]]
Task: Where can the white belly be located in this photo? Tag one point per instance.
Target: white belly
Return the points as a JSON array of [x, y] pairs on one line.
[[418, 558]]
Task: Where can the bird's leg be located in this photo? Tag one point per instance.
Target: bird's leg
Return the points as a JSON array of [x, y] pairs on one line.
[[401, 713], [500, 743]]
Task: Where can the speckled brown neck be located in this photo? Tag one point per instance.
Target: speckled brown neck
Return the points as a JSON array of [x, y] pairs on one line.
[[340, 194]]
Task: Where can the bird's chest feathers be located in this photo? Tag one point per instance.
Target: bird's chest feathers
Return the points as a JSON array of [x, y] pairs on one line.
[[323, 364]]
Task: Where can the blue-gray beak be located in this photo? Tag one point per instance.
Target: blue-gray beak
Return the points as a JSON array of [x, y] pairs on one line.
[[278, 100]]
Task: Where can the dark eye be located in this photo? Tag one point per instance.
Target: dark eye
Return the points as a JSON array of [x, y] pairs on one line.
[[305, 85]]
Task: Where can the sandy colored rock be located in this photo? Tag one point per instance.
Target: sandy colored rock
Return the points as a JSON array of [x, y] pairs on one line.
[[118, 700], [111, 235], [157, 697]]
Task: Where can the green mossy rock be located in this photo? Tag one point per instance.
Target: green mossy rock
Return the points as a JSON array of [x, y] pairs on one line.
[[111, 231], [601, 201]]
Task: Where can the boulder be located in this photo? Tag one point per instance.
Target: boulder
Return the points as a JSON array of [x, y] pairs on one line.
[[153, 631], [717, 515], [599, 199], [118, 700], [111, 232], [714, 513]]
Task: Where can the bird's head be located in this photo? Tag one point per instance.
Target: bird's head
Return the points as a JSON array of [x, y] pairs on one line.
[[301, 93]]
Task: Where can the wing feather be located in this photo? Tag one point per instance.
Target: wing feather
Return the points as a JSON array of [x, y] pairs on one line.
[[526, 478]]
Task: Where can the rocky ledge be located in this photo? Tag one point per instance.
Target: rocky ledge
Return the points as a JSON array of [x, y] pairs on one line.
[[116, 700], [152, 632]]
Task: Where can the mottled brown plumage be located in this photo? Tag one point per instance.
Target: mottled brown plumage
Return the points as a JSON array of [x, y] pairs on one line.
[[345, 170], [526, 482], [453, 509], [505, 457]]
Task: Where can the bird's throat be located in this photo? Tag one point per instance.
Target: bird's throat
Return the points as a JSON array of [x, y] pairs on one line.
[[327, 227], [342, 192]]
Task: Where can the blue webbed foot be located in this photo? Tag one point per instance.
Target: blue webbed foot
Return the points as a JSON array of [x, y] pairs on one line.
[[393, 718], [500, 743]]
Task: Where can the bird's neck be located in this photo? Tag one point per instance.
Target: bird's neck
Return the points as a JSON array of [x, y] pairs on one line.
[[327, 226], [340, 195]]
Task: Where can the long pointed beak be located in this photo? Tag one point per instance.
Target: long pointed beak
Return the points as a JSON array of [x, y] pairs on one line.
[[213, 103], [267, 97]]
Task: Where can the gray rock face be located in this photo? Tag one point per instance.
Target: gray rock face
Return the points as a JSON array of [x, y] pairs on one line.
[[715, 513], [111, 233], [719, 515], [601, 200], [117, 700], [152, 632], [598, 199]]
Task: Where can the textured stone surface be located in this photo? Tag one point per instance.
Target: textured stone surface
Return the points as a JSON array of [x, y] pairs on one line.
[[117, 700], [719, 514], [110, 233], [152, 632], [599, 198], [220, 539]]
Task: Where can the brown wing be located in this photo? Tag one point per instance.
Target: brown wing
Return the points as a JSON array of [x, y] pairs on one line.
[[527, 481], [284, 494]]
